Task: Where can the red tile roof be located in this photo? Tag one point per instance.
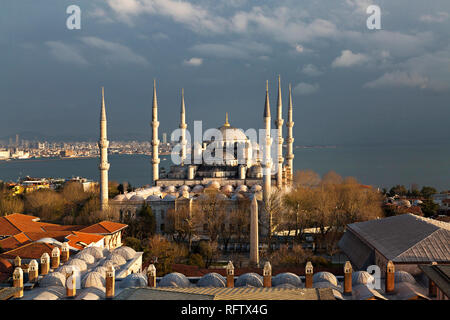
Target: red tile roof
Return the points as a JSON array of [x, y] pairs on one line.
[[16, 223], [86, 238], [32, 250], [104, 227]]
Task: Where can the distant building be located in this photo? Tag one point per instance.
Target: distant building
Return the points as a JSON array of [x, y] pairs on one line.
[[4, 154]]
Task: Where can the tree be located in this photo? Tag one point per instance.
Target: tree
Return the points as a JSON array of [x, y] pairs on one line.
[[429, 207], [10, 204], [427, 192], [46, 204], [399, 190], [182, 222], [166, 252], [143, 225]]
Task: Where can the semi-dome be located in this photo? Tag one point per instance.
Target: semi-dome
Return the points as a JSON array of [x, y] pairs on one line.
[[80, 264], [96, 252], [249, 280], [287, 278], [174, 279], [361, 277], [53, 279], [403, 276], [134, 280], [198, 188], [325, 276], [126, 252], [228, 188], [212, 279], [115, 259], [93, 280], [88, 258], [120, 197]]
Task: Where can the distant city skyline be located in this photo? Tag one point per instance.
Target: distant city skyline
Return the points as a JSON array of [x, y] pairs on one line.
[[351, 85]]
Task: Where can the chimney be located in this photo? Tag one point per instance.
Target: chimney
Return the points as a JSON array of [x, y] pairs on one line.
[[432, 289], [348, 278], [151, 276], [55, 258], [267, 274], [33, 271], [309, 270], [71, 285], [230, 275], [17, 262], [390, 277], [18, 282], [45, 263], [64, 252], [110, 281]]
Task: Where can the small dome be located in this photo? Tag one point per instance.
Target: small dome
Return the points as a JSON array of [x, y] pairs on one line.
[[80, 264], [325, 276], [116, 259], [227, 188], [121, 197], [249, 280], [361, 277], [403, 276], [237, 196], [170, 189], [256, 188], [212, 280], [96, 252], [242, 188], [130, 194], [89, 259], [170, 197], [47, 293], [153, 198], [287, 278], [93, 280], [198, 189], [126, 252], [137, 198], [174, 279], [102, 270], [91, 294], [133, 280], [184, 188], [221, 196], [66, 269], [213, 185], [53, 279]]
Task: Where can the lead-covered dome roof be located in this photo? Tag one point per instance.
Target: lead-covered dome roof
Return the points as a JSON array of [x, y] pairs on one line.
[[134, 280], [212, 279], [325, 276], [249, 280], [174, 279], [286, 278]]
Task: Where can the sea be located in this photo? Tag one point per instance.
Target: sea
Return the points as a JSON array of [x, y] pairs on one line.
[[379, 166]]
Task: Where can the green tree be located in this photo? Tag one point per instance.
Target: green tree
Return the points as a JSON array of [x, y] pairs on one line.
[[398, 189], [427, 192], [429, 208]]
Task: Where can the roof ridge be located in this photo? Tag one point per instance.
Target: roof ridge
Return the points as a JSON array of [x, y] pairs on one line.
[[10, 222], [434, 222], [417, 243]]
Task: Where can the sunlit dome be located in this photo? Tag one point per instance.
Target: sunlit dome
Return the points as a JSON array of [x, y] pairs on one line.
[[126, 252], [286, 278], [80, 264], [137, 198], [213, 185], [153, 198], [170, 197], [403, 276], [325, 276], [198, 189], [47, 293], [212, 279], [256, 188], [120, 197], [170, 189], [102, 270], [130, 194], [66, 269], [174, 279], [89, 259], [93, 280], [249, 280], [361, 277], [96, 252], [184, 188], [133, 280], [227, 188], [242, 188], [53, 279], [116, 259]]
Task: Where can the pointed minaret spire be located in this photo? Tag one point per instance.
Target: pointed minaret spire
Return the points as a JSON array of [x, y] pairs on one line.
[[155, 140], [103, 144], [183, 127], [279, 124], [290, 140], [267, 161]]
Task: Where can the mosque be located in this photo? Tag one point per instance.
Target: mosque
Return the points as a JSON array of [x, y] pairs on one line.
[[244, 168]]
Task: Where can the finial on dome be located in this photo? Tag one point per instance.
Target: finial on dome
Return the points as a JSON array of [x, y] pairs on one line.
[[227, 124]]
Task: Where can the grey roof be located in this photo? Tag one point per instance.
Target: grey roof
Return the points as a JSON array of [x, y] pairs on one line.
[[359, 253], [405, 238], [440, 275], [362, 292]]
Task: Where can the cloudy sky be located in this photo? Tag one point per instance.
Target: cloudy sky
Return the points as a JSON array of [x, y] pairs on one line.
[[351, 85]]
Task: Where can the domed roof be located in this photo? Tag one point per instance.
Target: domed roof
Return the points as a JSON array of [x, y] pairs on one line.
[[96, 252], [286, 286], [170, 189], [256, 188], [170, 197], [242, 188], [91, 294], [198, 188], [214, 185], [80, 264], [184, 188], [221, 196], [130, 194], [120, 197], [212, 279], [137, 198], [66, 269], [153, 198], [237, 196], [102, 270], [227, 188], [47, 293], [249, 280], [174, 279], [403, 276], [361, 277], [325, 276], [287, 278], [93, 280], [126, 252], [53, 279], [88, 258], [134, 280], [116, 259], [231, 134]]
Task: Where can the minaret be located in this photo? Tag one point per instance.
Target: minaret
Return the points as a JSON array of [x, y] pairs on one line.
[[155, 141], [279, 124], [290, 140], [103, 144], [254, 236], [183, 127], [267, 161]]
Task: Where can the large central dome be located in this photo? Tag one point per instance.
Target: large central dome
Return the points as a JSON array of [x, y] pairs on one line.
[[231, 134]]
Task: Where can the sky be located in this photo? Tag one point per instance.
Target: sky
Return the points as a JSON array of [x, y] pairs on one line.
[[351, 85]]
